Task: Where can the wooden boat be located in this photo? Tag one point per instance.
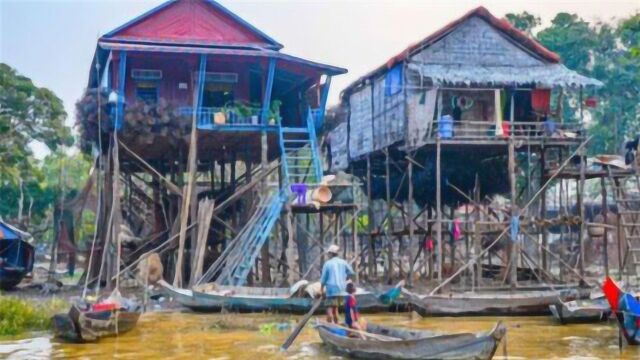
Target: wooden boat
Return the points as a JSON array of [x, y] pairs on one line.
[[211, 298], [581, 311], [626, 307], [85, 323], [511, 303], [381, 342], [16, 256]]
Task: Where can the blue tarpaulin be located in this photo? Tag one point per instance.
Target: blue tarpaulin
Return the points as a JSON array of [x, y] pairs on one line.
[[393, 81]]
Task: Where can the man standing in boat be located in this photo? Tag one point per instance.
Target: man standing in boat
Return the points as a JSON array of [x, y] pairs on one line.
[[335, 273]]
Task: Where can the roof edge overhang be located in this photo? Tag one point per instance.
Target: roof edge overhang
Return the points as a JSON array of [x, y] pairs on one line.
[[104, 47]]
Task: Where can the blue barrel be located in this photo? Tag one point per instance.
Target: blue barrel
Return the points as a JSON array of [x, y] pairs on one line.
[[445, 127]]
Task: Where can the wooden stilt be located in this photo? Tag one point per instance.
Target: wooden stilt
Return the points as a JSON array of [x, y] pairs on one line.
[[513, 253], [605, 214], [412, 245], [439, 244], [543, 210], [390, 222], [583, 169], [371, 250]]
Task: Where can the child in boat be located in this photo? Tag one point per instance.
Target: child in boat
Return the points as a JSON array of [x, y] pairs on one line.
[[351, 314]]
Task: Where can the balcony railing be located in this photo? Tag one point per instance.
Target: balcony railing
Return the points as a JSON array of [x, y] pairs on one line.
[[486, 130], [214, 116]]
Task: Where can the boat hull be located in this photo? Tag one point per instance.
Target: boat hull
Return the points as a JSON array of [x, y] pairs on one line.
[[416, 345], [15, 263], [581, 313], [79, 326], [210, 302], [517, 303]]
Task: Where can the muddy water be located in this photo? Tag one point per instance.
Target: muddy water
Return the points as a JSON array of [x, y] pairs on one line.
[[258, 337]]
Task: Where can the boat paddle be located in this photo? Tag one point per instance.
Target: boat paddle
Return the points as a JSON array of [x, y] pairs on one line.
[[296, 331]]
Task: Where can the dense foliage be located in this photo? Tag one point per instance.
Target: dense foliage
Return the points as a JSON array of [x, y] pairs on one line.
[[31, 188], [607, 52], [18, 315]]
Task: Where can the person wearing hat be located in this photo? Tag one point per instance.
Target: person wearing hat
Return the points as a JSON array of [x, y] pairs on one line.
[[333, 281]]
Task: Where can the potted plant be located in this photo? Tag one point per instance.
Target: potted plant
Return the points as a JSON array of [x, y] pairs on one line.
[[274, 111]]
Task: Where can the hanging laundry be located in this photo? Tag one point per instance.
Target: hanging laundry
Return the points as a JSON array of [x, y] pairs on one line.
[[541, 100], [515, 228], [393, 81], [457, 232], [497, 104], [428, 244]]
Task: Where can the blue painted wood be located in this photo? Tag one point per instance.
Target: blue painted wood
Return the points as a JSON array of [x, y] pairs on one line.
[[197, 91], [122, 76], [317, 165], [266, 99], [238, 128], [323, 102]]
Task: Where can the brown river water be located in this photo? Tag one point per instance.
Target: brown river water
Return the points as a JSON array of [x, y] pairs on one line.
[[185, 335]]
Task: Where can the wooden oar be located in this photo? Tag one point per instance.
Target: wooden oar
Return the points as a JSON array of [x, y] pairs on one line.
[[301, 324]]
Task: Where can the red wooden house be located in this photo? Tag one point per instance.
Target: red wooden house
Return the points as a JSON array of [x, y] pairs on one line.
[[194, 62], [196, 54]]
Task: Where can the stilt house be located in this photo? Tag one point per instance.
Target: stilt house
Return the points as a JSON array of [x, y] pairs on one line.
[[195, 62]]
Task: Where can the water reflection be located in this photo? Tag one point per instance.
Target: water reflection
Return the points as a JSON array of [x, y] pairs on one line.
[[254, 336]]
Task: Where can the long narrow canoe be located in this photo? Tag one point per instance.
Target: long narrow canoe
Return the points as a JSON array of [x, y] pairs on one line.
[[255, 299], [581, 311], [80, 325], [384, 342], [511, 303]]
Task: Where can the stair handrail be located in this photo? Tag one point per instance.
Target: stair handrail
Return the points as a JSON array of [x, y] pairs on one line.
[[314, 146]]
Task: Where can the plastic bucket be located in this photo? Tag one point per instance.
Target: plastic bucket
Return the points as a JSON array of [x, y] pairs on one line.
[[445, 127]]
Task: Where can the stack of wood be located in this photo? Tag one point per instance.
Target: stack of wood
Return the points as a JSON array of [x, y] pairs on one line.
[[143, 121]]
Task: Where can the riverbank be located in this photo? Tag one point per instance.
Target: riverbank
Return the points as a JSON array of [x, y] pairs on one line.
[[20, 315]]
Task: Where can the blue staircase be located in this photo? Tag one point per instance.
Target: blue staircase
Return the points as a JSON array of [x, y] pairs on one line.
[[300, 164], [299, 154]]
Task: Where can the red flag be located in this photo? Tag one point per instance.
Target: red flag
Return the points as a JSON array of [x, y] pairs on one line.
[[612, 292]]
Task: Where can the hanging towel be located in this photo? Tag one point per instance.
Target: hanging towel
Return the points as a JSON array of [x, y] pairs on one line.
[[497, 104], [515, 228], [541, 100], [457, 233]]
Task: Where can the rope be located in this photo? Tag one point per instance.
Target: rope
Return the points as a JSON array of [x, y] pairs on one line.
[[95, 234]]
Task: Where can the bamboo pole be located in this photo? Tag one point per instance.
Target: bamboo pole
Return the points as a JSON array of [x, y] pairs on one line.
[[412, 250], [605, 213], [583, 169], [513, 245], [370, 249], [439, 245]]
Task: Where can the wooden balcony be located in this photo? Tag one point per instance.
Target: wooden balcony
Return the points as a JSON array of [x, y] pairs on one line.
[[485, 132]]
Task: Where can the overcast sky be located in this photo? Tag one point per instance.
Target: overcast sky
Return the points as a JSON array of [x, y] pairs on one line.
[[53, 41]]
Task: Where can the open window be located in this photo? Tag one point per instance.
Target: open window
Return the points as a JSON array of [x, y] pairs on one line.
[[217, 95], [219, 89], [147, 92], [147, 81]]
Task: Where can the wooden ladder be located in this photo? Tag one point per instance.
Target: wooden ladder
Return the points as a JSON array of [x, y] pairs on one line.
[[629, 211]]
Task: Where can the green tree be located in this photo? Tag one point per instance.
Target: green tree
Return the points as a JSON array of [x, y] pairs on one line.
[[607, 52], [27, 113], [524, 21]]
